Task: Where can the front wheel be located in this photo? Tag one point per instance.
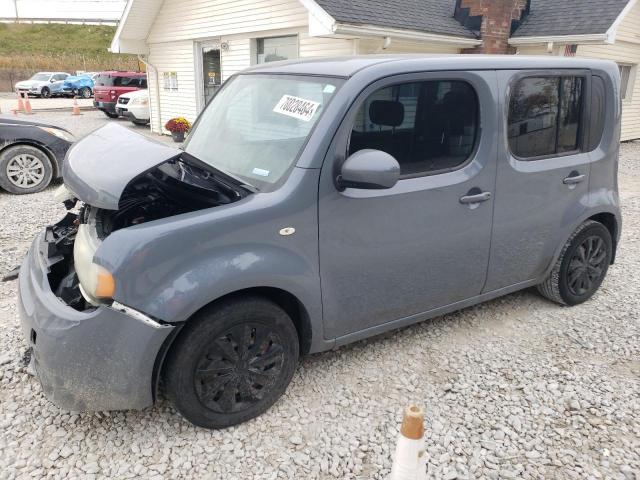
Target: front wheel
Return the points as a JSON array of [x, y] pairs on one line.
[[581, 267], [85, 92], [231, 362], [110, 115], [45, 93]]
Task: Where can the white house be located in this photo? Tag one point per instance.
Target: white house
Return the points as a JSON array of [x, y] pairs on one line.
[[192, 46]]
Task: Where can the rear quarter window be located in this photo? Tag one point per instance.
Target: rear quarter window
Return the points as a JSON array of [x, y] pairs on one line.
[[545, 116]]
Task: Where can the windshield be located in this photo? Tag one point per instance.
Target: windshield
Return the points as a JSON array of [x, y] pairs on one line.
[[41, 77], [256, 126]]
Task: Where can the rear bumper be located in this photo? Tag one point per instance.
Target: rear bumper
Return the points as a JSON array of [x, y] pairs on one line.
[[105, 106], [98, 359]]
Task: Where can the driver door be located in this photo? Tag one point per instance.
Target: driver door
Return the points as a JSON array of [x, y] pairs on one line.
[[386, 256]]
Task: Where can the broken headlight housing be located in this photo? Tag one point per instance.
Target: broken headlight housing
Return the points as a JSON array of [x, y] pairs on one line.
[[96, 282]]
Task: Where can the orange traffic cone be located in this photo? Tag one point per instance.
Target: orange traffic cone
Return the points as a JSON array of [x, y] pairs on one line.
[[20, 107], [410, 460], [76, 108], [27, 105]]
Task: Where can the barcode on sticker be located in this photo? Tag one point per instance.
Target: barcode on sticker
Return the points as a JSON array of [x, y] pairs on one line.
[[296, 107]]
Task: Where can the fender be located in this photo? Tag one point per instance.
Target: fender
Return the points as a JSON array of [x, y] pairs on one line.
[[171, 268]]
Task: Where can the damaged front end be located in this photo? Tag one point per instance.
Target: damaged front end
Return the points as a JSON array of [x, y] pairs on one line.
[[136, 193], [90, 351]]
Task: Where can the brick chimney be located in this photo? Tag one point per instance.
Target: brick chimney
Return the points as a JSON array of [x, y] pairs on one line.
[[493, 21]]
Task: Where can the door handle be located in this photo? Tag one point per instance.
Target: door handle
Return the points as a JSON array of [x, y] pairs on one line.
[[476, 198], [574, 179]]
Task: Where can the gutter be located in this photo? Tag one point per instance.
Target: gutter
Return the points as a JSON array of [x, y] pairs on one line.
[[397, 33], [157, 89], [597, 38]]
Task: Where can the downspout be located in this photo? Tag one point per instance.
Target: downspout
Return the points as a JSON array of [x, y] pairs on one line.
[[157, 93]]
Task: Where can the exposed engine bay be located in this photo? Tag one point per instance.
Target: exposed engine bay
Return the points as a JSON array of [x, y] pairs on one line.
[[171, 188]]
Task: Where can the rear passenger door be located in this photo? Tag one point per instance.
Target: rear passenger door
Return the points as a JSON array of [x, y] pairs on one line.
[[390, 255], [543, 171]]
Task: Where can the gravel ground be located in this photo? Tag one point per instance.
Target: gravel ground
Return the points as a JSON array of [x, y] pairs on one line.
[[515, 388]]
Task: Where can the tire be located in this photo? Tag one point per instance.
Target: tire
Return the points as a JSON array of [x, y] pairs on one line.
[[45, 92], [110, 115], [140, 122], [581, 267], [31, 161], [219, 373], [84, 92]]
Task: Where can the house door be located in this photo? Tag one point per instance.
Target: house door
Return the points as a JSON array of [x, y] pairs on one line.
[[211, 71]]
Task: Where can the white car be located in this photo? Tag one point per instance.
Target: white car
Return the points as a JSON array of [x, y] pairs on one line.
[[134, 106], [42, 84]]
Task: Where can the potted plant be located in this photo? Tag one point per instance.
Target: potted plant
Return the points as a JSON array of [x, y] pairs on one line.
[[178, 127]]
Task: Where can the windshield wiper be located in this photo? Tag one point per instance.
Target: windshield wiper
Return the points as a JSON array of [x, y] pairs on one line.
[[221, 176]]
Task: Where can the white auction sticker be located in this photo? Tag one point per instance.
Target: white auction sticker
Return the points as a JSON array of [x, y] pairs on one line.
[[296, 107]]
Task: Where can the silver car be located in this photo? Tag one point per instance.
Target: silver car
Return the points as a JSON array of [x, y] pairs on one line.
[[316, 203], [43, 84]]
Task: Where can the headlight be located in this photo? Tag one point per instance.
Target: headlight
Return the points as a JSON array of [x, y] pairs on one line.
[[59, 133], [140, 101], [96, 282]]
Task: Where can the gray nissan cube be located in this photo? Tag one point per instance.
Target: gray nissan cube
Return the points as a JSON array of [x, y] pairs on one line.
[[316, 203]]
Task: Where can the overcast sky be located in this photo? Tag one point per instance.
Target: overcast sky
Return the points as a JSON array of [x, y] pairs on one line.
[[71, 9]]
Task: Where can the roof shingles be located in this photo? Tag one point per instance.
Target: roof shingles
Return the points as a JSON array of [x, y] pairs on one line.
[[432, 16], [569, 17]]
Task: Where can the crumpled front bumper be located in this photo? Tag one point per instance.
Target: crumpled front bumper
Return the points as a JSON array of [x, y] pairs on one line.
[[99, 359]]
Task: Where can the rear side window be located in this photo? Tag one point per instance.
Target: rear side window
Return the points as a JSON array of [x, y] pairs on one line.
[[545, 116], [597, 112], [120, 81], [426, 126]]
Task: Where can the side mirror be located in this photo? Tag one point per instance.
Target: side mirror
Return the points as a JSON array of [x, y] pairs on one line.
[[52, 81], [369, 169]]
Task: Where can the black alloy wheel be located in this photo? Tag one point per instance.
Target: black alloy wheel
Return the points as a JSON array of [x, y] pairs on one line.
[[231, 361], [587, 265], [239, 367], [581, 267]]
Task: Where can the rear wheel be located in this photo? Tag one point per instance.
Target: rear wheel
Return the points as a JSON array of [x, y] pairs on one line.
[[24, 169], [85, 92], [45, 93], [231, 362], [581, 267]]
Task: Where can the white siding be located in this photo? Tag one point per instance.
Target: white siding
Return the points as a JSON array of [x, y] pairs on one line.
[[192, 19], [173, 57], [237, 58], [324, 47], [373, 46]]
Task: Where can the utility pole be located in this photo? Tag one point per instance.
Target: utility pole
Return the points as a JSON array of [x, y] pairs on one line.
[[15, 5]]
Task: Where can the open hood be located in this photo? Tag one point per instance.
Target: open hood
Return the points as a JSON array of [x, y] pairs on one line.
[[99, 167]]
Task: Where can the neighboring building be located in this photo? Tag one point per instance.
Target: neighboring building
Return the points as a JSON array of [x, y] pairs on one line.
[[192, 46]]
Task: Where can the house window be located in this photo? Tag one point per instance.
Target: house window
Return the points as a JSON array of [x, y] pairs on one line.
[[545, 116], [427, 127], [273, 49], [170, 81], [627, 77]]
